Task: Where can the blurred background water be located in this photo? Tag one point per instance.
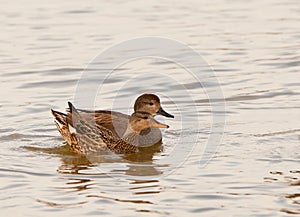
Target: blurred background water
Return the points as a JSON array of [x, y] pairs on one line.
[[253, 47]]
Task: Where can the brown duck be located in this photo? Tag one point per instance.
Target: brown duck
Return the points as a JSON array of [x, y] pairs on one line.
[[118, 122], [85, 137]]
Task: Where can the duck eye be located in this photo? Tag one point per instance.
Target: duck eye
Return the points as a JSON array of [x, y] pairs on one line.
[[151, 103], [145, 117]]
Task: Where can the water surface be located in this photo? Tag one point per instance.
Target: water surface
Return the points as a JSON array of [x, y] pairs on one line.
[[253, 47]]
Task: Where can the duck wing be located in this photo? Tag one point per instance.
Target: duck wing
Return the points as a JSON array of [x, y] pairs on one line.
[[116, 122], [95, 138]]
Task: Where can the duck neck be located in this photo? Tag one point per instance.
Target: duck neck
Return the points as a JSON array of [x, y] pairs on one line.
[[131, 136]]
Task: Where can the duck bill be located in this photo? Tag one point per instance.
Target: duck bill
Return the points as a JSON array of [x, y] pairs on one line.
[[164, 113], [157, 124]]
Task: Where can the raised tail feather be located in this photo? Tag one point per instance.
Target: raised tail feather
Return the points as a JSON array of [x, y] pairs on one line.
[[71, 107], [59, 116], [64, 120]]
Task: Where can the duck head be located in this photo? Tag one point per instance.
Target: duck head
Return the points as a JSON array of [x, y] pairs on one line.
[[150, 103], [142, 120]]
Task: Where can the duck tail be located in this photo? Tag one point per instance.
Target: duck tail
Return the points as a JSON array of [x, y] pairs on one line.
[[59, 116], [60, 120]]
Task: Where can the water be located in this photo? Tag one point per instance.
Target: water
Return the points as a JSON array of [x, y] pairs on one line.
[[253, 47]]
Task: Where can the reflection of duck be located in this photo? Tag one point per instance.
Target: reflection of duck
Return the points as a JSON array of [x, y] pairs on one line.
[[135, 164], [84, 137], [118, 122]]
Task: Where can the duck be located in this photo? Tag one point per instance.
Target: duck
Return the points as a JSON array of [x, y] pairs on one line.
[[86, 137], [117, 122]]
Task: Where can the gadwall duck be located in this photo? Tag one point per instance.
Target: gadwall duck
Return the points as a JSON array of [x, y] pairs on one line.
[[117, 122], [85, 137]]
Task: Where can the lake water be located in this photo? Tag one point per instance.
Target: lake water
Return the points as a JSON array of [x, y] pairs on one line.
[[253, 49]]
